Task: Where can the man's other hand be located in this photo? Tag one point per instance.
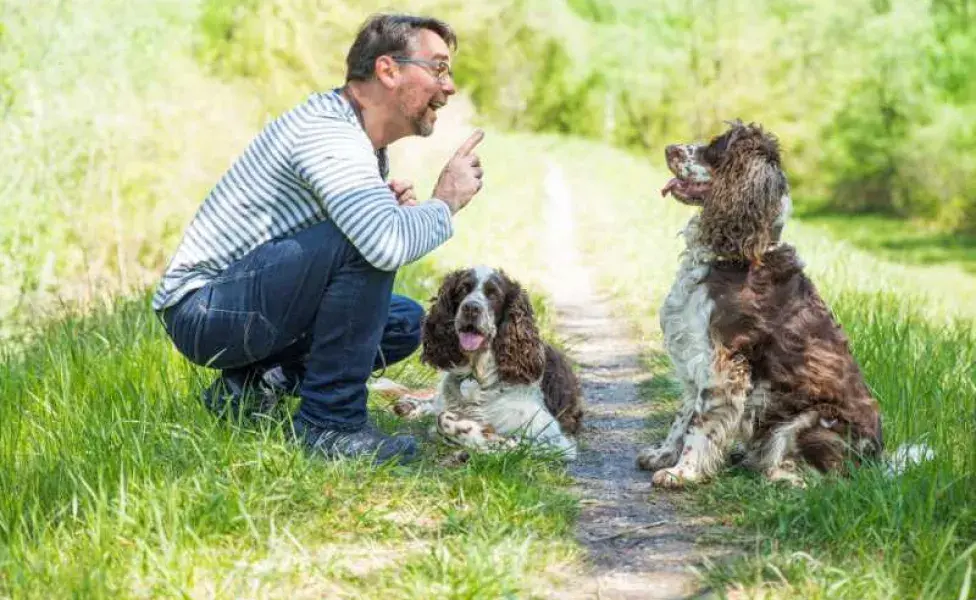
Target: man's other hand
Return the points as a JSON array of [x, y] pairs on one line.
[[403, 190]]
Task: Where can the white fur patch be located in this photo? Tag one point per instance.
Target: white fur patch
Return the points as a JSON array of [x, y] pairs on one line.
[[907, 456]]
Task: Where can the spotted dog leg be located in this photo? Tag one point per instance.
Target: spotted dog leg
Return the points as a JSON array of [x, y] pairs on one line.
[[412, 407], [471, 434], [665, 454], [708, 435], [772, 457]]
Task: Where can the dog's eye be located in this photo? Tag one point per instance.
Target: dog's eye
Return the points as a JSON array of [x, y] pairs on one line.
[[714, 152]]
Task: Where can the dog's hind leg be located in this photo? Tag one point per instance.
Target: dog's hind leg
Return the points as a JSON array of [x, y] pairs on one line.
[[665, 454], [773, 454], [712, 426]]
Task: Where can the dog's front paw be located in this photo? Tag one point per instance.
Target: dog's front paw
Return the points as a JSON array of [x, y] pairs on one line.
[[407, 407], [456, 459], [656, 457], [785, 474], [674, 478], [451, 425]]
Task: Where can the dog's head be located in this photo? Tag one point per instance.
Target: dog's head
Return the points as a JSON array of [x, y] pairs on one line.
[[843, 437], [480, 310], [738, 181]]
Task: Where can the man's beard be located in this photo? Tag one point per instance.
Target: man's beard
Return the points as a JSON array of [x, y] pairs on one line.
[[418, 122], [421, 126]]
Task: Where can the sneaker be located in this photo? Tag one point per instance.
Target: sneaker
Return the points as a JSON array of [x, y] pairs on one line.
[[367, 441], [283, 381], [241, 394]]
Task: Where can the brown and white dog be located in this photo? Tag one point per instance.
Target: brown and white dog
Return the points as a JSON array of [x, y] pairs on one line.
[[761, 358], [501, 382]]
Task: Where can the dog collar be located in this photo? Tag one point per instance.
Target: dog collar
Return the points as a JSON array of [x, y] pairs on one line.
[[737, 260]]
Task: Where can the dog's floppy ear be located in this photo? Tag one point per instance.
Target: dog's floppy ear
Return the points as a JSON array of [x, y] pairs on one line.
[[518, 348], [441, 348], [746, 195]]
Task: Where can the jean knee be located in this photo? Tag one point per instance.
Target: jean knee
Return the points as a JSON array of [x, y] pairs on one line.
[[403, 332]]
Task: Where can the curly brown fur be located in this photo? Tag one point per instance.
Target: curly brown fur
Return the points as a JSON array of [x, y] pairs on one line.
[[761, 356], [773, 317], [518, 348], [562, 391], [747, 187], [500, 376], [439, 339]]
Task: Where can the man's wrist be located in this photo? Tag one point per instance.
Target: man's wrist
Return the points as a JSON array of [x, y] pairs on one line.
[[450, 207]]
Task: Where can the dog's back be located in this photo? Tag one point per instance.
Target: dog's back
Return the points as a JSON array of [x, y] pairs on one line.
[[561, 390], [771, 314]]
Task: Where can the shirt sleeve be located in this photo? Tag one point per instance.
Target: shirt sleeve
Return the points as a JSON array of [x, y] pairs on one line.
[[334, 158]]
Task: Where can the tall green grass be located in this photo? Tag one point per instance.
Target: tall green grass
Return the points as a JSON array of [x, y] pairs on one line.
[[116, 482], [111, 135]]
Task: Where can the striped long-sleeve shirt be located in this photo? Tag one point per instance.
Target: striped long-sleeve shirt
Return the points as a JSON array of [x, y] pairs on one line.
[[313, 163]]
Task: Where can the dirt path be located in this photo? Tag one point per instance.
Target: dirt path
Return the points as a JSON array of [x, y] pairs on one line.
[[638, 547]]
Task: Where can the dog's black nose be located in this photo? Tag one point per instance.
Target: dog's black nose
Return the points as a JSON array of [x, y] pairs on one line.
[[470, 311]]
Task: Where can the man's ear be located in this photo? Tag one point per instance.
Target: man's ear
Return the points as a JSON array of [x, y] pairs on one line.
[[387, 71]]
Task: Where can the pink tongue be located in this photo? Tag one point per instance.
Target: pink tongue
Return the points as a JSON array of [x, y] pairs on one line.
[[471, 341], [669, 186]]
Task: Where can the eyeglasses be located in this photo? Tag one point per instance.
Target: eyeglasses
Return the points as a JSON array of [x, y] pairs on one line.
[[441, 68]]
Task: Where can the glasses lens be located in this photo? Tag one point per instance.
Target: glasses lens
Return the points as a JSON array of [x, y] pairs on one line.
[[443, 70]]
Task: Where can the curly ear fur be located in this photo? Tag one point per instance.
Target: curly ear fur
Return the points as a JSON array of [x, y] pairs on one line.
[[747, 187], [441, 348], [518, 348]]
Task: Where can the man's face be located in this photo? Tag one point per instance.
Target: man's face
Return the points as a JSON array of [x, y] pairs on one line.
[[420, 93]]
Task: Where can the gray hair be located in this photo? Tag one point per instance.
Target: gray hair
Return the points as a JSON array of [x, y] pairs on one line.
[[391, 34]]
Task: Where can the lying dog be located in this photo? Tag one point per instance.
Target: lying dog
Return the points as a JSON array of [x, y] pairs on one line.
[[760, 356], [501, 382]]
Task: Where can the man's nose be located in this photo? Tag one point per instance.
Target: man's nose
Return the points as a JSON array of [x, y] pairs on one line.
[[448, 86]]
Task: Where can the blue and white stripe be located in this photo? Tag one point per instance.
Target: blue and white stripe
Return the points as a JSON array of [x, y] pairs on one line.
[[313, 163]]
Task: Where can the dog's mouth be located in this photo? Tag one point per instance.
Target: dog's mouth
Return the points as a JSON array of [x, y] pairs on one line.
[[686, 191], [471, 339]]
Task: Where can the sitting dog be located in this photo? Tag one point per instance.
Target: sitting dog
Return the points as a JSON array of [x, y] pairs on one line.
[[761, 358], [501, 382]]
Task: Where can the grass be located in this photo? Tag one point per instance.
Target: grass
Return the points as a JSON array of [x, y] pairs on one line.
[[111, 134], [118, 483], [911, 329], [899, 240]]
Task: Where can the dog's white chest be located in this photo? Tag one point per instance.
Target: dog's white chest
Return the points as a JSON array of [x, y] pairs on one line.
[[685, 316]]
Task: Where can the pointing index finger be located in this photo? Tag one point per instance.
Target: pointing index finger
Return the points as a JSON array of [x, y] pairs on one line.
[[470, 143]]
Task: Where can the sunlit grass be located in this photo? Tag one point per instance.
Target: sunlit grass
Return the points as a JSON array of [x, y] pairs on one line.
[[900, 240], [117, 481], [111, 136]]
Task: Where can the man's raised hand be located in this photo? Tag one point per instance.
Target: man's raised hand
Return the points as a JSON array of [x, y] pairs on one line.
[[462, 176]]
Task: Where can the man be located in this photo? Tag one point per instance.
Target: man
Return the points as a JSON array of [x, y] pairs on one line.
[[283, 279]]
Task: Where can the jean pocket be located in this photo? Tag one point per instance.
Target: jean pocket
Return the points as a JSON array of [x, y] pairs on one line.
[[235, 338]]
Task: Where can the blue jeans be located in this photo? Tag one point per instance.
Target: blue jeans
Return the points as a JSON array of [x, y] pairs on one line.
[[310, 303]]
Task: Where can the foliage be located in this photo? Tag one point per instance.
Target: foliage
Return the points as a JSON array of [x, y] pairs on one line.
[[873, 101]]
